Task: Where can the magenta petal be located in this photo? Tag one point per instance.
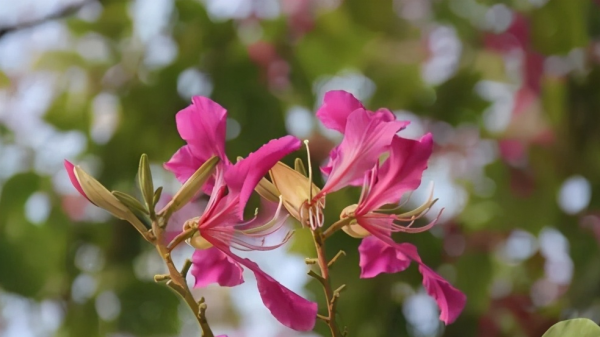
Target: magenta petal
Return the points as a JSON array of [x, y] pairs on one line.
[[243, 177], [183, 163], [450, 300], [337, 106], [71, 172], [400, 173], [377, 257], [286, 306], [366, 138], [202, 125], [213, 266]]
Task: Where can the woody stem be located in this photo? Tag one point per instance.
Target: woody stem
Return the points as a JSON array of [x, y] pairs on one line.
[[330, 295], [177, 281]]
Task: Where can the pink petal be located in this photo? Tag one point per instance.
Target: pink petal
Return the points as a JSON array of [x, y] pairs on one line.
[[377, 257], [183, 163], [202, 125], [401, 172], [366, 138], [213, 266], [243, 177], [287, 307], [337, 106], [71, 172], [450, 300]]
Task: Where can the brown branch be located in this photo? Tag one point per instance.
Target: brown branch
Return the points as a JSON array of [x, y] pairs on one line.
[[59, 14], [177, 281], [330, 295]]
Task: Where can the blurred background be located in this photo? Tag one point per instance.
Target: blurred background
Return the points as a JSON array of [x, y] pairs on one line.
[[510, 90]]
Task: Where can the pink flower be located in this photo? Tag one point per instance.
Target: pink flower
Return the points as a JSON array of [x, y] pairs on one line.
[[400, 173], [221, 227], [202, 125], [367, 135]]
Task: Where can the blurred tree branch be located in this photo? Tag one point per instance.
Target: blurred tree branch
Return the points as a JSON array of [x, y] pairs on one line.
[[62, 12]]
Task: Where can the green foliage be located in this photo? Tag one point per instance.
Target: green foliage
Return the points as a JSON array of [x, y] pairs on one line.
[[558, 130], [578, 327]]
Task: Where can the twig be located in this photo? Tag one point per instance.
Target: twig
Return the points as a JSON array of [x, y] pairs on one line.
[[61, 13], [335, 227], [178, 283], [186, 234], [330, 295]]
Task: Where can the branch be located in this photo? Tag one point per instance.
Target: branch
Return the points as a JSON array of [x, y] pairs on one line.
[[176, 280], [59, 14], [330, 295]]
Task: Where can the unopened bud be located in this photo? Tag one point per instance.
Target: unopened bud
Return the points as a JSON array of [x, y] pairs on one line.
[[103, 198], [193, 184], [145, 181]]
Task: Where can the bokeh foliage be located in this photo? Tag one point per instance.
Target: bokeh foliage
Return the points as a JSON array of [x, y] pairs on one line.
[[259, 79]]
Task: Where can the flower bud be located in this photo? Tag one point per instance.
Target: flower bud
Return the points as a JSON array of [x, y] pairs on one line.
[[193, 185], [99, 195]]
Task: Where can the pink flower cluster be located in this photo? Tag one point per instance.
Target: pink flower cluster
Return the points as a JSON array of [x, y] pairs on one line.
[[368, 135]]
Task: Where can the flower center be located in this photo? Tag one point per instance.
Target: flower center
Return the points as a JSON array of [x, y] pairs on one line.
[[196, 241], [353, 229], [311, 213]]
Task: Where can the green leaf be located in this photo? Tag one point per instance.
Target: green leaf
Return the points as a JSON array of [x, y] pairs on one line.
[[578, 327]]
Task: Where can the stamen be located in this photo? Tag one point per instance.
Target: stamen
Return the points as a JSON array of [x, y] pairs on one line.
[[273, 222], [310, 174], [425, 206]]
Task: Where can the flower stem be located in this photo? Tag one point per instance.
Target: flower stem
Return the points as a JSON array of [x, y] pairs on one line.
[[177, 281], [335, 227], [330, 295]]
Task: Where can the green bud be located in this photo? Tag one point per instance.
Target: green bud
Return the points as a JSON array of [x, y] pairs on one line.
[[101, 197], [129, 201], [157, 195], [145, 182], [193, 185]]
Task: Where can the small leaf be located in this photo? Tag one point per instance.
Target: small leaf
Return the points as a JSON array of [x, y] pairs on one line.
[[145, 181], [578, 327]]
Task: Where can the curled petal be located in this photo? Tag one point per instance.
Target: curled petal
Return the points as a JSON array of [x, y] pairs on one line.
[[450, 300], [337, 106], [400, 173], [243, 177], [287, 307], [366, 138], [213, 266], [377, 257]]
